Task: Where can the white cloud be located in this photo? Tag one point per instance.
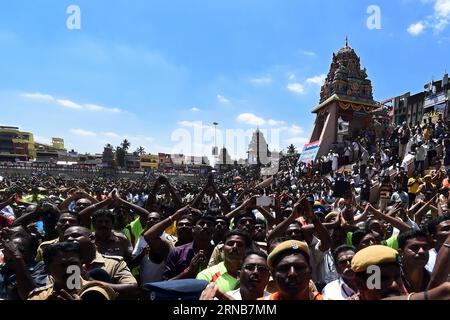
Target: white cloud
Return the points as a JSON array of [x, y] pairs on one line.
[[272, 122], [193, 124], [194, 109], [83, 133], [293, 130], [416, 28], [442, 8], [300, 141], [250, 118], [296, 88], [308, 53], [437, 21], [66, 103], [222, 99], [261, 81], [110, 134], [94, 107], [291, 76], [318, 80], [38, 96], [69, 104]]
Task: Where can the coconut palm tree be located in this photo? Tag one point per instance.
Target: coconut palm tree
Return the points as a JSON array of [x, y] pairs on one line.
[[140, 150], [125, 145]]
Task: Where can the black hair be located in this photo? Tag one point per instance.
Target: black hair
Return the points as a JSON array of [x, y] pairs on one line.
[[433, 223], [254, 252], [358, 235], [204, 217], [276, 240], [52, 250], [220, 217], [340, 249], [244, 214], [244, 235], [102, 213], [410, 234], [72, 214]]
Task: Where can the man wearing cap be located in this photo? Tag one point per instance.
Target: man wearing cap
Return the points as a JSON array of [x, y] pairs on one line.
[[377, 273], [289, 263]]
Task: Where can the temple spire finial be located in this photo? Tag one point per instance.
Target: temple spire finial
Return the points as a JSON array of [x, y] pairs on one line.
[[346, 41]]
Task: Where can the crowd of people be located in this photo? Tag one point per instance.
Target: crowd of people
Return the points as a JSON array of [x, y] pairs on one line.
[[310, 232]]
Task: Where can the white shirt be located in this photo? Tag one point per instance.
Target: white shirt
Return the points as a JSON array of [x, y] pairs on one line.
[[334, 164], [337, 290], [431, 260], [236, 294]]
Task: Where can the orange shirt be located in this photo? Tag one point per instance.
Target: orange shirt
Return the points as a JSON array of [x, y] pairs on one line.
[[446, 183], [276, 296]]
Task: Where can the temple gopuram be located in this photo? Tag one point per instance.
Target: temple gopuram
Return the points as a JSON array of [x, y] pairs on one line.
[[346, 102]]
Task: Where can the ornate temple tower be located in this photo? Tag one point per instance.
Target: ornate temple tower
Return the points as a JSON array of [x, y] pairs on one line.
[[258, 149], [346, 101]]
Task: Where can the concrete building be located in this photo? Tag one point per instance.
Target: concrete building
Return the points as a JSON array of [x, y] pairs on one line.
[[408, 108], [149, 162], [430, 103], [16, 144], [58, 143]]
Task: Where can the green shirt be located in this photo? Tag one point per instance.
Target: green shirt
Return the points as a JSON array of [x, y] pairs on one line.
[[133, 231], [390, 242], [220, 276], [33, 199]]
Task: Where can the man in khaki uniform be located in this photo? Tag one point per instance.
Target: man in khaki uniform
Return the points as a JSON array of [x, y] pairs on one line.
[[58, 258], [111, 270]]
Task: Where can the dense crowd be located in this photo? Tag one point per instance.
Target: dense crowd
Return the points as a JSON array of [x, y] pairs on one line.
[[310, 232]]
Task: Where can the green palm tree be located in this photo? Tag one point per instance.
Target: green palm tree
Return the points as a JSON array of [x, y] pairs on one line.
[[140, 150], [125, 145]]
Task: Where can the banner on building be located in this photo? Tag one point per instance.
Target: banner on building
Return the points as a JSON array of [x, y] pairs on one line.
[[309, 152]]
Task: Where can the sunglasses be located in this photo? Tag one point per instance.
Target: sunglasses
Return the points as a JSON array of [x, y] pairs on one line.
[[256, 267]]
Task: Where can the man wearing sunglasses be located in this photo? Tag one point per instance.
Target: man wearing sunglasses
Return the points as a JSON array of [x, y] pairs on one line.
[[253, 277]]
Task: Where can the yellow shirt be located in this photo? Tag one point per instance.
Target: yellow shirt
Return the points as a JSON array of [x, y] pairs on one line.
[[413, 185]]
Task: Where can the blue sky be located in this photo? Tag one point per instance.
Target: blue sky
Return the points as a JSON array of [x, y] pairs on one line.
[[154, 71]]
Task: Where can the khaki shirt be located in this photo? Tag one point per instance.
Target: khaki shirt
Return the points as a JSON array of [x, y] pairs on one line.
[[42, 247], [115, 266], [45, 293], [116, 245]]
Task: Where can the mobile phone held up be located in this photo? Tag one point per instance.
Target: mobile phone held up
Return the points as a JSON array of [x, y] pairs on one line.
[[265, 201]]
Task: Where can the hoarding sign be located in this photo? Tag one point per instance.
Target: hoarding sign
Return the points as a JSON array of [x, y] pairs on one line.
[[309, 152]]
